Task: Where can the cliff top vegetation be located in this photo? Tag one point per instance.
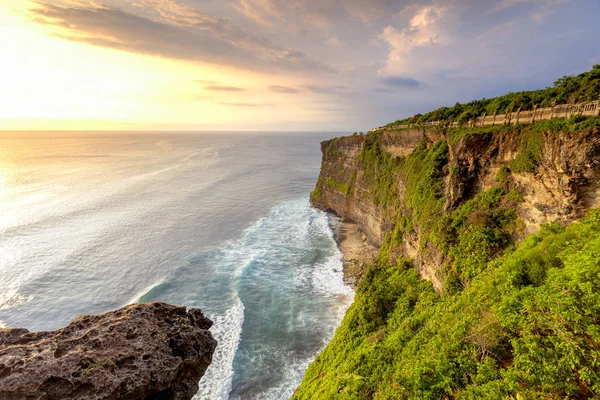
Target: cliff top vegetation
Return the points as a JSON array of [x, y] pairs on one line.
[[566, 90]]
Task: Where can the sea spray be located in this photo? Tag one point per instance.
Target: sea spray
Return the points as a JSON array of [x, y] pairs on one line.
[[227, 329]]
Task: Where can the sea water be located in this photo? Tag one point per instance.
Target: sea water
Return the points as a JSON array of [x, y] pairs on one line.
[[90, 222]]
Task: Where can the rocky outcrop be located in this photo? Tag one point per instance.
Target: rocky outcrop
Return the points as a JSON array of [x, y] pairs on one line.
[[142, 351], [564, 185]]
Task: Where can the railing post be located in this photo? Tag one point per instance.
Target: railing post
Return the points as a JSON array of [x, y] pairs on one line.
[[518, 115], [597, 108]]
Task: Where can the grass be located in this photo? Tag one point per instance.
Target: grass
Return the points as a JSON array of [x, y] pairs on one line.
[[525, 328]]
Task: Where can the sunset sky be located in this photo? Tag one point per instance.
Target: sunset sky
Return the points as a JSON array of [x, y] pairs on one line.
[[276, 64]]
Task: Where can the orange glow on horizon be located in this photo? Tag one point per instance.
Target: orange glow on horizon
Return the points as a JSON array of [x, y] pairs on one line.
[[50, 83]]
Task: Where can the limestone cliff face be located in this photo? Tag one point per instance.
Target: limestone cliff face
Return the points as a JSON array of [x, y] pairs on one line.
[[142, 351], [564, 185], [340, 160]]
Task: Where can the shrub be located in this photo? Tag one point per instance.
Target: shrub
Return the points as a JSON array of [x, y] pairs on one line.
[[503, 173]]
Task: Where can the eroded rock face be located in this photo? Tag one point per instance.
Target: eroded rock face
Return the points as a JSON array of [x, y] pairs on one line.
[[565, 185], [142, 351]]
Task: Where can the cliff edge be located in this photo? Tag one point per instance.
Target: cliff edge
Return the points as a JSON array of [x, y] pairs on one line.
[[486, 284], [142, 351], [378, 180]]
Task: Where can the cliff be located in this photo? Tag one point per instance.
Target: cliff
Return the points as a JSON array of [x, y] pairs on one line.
[[486, 284], [554, 176], [142, 351]]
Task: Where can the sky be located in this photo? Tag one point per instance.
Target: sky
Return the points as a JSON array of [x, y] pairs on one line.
[[278, 65]]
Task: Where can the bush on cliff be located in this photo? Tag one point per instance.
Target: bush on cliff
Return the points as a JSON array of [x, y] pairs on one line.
[[526, 326]]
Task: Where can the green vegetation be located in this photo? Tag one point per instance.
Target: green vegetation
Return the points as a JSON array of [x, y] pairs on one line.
[[529, 153], [422, 171], [472, 235], [511, 322], [316, 193], [340, 187], [515, 196], [381, 170], [526, 327], [576, 123], [503, 174], [566, 90]]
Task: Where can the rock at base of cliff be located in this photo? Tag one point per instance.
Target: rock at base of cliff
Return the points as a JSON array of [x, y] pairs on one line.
[[357, 252], [142, 351]]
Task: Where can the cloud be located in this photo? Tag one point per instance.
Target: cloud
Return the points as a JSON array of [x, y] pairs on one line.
[[293, 54], [334, 42], [316, 89], [245, 104], [222, 88], [320, 14], [401, 81], [173, 12], [421, 53], [428, 27], [181, 33], [283, 89], [506, 4], [325, 89], [204, 82]]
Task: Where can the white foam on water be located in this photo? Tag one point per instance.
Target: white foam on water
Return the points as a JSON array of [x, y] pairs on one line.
[[227, 330], [143, 292], [291, 226], [12, 299], [293, 373], [328, 277], [2, 324]]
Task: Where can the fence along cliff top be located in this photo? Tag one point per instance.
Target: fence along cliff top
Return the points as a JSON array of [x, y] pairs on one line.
[[590, 109]]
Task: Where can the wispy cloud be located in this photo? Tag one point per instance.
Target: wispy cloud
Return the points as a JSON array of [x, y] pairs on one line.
[[204, 82], [173, 12], [222, 88], [251, 105], [325, 89], [506, 4], [180, 33], [283, 89], [401, 81]]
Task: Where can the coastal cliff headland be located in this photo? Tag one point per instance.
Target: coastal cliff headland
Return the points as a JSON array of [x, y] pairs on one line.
[[362, 181], [142, 351], [486, 282]]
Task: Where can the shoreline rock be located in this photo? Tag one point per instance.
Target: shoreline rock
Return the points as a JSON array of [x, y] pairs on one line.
[[356, 250], [141, 351]]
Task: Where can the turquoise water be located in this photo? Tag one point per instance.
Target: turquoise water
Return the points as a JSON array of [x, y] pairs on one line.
[[92, 222]]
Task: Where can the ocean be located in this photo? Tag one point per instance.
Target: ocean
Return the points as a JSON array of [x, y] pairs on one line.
[[93, 221]]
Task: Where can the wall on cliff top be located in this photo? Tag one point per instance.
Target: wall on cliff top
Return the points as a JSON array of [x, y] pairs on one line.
[[542, 175]]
